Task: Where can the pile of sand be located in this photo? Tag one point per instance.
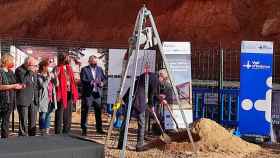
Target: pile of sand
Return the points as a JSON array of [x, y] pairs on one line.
[[213, 137], [214, 141]]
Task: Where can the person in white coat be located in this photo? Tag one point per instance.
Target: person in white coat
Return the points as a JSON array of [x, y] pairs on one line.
[[47, 96]]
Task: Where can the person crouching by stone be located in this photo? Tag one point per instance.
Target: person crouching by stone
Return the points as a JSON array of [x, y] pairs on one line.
[[8, 86], [67, 94], [139, 107], [47, 96], [92, 79], [27, 98]]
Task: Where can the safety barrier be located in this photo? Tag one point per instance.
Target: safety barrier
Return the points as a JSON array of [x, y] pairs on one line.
[[219, 105]]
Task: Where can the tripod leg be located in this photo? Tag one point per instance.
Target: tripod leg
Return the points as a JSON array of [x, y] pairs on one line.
[[123, 80], [131, 93], [125, 71], [170, 77], [110, 127]]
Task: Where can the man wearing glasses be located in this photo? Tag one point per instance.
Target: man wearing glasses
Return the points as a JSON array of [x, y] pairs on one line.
[[27, 98]]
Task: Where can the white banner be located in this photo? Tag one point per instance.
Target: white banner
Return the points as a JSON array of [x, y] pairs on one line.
[[116, 57], [178, 56], [169, 122]]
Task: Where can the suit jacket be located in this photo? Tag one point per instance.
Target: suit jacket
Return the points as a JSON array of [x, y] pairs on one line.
[[86, 81], [139, 101], [30, 94]]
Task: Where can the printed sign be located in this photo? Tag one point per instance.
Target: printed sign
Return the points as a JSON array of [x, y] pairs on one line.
[[115, 69], [178, 56], [255, 88], [169, 122]]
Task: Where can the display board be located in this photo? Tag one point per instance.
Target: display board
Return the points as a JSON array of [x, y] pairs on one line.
[[178, 56], [256, 63], [116, 57], [169, 123]]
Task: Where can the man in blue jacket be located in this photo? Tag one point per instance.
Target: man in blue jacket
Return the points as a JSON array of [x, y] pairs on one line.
[[92, 80]]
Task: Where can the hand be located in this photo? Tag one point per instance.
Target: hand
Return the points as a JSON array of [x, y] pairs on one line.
[[18, 86], [51, 75], [100, 84], [97, 81], [164, 102], [23, 86]]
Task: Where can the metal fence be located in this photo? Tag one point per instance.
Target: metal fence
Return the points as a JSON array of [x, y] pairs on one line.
[[216, 76], [206, 64]]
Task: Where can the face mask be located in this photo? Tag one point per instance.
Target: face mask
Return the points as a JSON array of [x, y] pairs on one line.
[[49, 69], [93, 65]]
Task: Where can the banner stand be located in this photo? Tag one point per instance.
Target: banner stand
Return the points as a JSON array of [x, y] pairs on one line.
[[256, 63]]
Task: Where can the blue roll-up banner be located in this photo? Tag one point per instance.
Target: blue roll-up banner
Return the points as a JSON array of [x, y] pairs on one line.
[[256, 63]]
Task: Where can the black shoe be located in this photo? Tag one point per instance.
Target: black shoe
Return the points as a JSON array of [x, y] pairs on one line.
[[100, 132], [128, 147], [119, 146], [84, 133], [140, 148]]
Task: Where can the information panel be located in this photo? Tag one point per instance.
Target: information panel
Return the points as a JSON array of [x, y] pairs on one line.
[[256, 63], [178, 56]]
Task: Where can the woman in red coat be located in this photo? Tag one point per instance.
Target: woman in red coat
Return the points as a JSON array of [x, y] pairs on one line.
[[67, 94]]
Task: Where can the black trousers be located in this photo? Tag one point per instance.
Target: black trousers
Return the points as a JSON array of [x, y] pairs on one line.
[[63, 116], [97, 110], [5, 120], [27, 120], [140, 131]]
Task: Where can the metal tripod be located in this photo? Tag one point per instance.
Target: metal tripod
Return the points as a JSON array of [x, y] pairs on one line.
[[142, 17]]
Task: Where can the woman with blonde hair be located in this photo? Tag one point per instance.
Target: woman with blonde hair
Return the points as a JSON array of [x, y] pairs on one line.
[[8, 86]]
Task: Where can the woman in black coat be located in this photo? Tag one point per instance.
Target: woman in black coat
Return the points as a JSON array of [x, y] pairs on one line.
[[8, 86]]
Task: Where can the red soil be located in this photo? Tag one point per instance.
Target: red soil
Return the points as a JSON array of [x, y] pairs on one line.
[[200, 21]]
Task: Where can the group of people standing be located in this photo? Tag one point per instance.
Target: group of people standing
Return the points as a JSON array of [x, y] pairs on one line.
[[38, 88]]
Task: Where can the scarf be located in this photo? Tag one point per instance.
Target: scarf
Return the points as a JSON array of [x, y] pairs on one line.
[[62, 88]]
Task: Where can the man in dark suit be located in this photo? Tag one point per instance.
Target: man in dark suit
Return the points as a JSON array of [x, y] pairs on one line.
[[139, 106], [92, 80], [27, 98]]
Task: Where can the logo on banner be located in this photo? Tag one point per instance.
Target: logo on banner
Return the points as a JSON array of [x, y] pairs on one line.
[[265, 46], [261, 105], [255, 65], [255, 47], [265, 105]]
